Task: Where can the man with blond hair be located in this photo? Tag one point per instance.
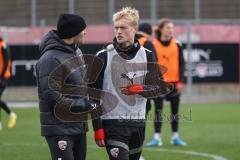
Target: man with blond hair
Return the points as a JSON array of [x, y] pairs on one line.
[[126, 73]]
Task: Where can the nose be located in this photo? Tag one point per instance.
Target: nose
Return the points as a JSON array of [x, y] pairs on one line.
[[118, 30], [84, 32]]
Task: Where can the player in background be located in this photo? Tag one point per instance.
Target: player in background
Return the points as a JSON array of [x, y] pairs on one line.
[[144, 36], [5, 74], [169, 53]]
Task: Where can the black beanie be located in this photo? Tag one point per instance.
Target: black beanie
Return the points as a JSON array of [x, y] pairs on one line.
[[146, 28], [69, 25]]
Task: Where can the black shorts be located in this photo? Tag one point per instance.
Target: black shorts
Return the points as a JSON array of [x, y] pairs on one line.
[[67, 147], [124, 142]]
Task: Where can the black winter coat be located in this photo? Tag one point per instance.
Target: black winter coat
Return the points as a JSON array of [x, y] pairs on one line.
[[59, 64]]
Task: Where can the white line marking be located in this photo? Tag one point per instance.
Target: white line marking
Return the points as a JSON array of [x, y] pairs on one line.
[[194, 153], [23, 104]]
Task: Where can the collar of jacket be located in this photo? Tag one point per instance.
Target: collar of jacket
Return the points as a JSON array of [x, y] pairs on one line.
[[165, 43], [51, 41], [131, 52]]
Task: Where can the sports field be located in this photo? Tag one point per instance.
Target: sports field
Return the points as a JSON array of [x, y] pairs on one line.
[[211, 131]]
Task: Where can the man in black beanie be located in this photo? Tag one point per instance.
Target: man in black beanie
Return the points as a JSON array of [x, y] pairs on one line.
[[145, 28], [62, 64], [144, 36]]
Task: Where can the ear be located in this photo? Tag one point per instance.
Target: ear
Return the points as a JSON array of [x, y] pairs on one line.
[[135, 28]]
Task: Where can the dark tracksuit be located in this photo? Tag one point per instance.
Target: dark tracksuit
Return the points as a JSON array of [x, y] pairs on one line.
[[3, 82], [149, 45], [124, 137], [173, 97], [66, 140]]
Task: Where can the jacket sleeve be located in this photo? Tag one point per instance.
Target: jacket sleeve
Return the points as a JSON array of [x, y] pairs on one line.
[[5, 59], [98, 84], [181, 62], [43, 71], [51, 85], [149, 46]]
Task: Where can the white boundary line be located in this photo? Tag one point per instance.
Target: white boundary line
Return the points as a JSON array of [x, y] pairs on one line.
[[23, 104], [194, 153]]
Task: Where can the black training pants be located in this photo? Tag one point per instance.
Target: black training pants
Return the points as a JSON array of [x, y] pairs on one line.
[[124, 142], [67, 147], [3, 105], [174, 99]]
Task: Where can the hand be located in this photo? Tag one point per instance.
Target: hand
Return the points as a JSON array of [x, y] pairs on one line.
[[83, 105], [99, 136], [180, 87], [100, 143], [132, 89]]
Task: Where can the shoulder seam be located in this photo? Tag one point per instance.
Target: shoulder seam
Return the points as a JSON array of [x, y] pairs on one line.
[[146, 49], [178, 42], [101, 51]]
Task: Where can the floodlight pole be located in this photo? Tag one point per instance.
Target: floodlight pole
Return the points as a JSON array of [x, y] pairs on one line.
[[197, 10], [189, 61], [154, 11], [71, 8], [111, 8], [33, 13]]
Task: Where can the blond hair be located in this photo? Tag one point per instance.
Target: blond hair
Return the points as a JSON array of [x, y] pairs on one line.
[[131, 14]]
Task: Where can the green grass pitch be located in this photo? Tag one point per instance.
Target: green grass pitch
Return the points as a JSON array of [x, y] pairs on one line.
[[211, 131]]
